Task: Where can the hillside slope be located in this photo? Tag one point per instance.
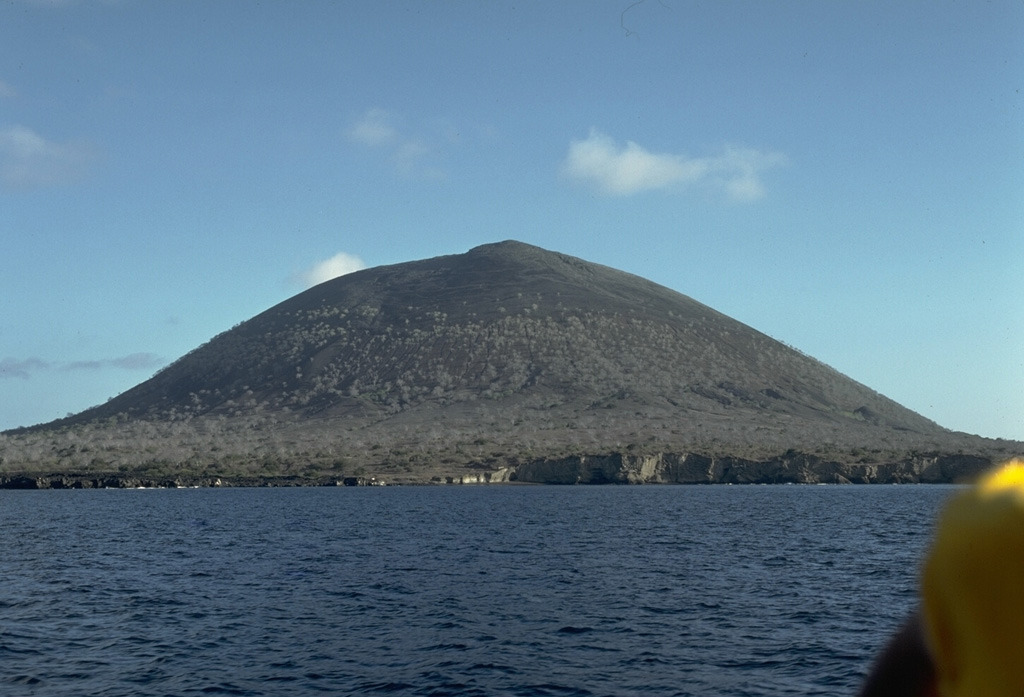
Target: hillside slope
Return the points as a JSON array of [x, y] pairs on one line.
[[505, 354], [502, 320]]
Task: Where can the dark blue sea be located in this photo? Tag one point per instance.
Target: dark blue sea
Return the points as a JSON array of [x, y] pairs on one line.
[[501, 590]]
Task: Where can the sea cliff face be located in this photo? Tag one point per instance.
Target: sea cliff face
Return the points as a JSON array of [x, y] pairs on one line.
[[791, 468], [614, 468]]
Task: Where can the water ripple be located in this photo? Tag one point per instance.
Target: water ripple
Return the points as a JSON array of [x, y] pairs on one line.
[[455, 591]]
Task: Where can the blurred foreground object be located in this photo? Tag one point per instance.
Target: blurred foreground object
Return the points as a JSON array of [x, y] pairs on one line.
[[968, 638], [972, 589]]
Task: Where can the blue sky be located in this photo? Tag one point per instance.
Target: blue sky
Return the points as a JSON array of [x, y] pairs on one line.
[[847, 177]]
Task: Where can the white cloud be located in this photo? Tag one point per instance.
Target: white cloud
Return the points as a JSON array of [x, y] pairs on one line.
[[409, 154], [374, 129], [410, 159], [27, 160], [624, 170], [738, 171], [338, 265]]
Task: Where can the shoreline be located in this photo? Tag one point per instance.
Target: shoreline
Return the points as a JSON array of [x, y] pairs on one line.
[[606, 469]]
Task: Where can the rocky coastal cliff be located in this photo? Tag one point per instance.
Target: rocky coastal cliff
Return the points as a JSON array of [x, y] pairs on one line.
[[618, 468], [791, 468]]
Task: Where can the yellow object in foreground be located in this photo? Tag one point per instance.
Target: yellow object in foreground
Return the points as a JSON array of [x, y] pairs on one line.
[[973, 589]]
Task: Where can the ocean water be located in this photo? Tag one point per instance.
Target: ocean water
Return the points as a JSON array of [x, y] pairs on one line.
[[501, 590]]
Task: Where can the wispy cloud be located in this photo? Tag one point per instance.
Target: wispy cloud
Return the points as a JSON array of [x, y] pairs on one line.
[[6, 90], [59, 3], [375, 129], [137, 361], [25, 368], [27, 160], [133, 361], [338, 265], [21, 368], [623, 170], [410, 155]]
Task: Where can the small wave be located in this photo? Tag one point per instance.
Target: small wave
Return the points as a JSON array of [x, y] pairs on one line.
[[575, 630], [384, 687], [549, 689], [4, 649], [225, 688], [453, 689], [444, 647], [492, 668]]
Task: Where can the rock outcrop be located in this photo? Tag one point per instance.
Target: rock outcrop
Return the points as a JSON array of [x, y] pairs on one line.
[[614, 468], [790, 468]]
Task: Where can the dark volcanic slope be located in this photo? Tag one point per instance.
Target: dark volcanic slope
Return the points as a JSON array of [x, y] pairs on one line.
[[505, 363], [512, 327]]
